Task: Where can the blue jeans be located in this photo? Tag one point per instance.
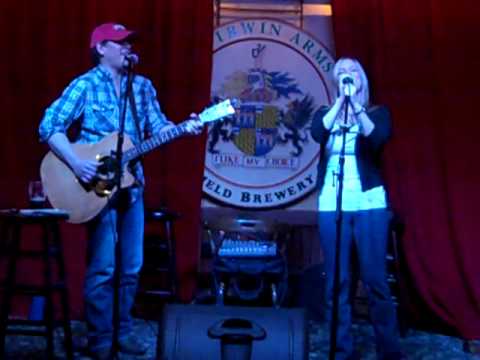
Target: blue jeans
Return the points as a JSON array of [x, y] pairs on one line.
[[369, 230], [124, 215]]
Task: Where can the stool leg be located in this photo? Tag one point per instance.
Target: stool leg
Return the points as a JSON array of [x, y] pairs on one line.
[[49, 314], [9, 281], [5, 240], [401, 313], [172, 261], [67, 330]]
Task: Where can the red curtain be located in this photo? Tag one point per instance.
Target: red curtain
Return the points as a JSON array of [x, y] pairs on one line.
[[423, 61], [45, 45]]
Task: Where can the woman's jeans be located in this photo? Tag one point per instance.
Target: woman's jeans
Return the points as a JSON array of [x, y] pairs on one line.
[[124, 215], [369, 230]]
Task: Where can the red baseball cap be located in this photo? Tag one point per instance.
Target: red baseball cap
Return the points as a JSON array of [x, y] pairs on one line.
[[109, 31]]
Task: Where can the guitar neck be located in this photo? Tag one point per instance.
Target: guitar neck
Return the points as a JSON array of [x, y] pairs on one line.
[[213, 113], [154, 142]]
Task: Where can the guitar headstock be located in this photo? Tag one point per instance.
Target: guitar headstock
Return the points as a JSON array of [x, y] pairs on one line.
[[219, 111]]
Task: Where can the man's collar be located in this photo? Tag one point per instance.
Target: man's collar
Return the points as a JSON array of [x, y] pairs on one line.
[[102, 72]]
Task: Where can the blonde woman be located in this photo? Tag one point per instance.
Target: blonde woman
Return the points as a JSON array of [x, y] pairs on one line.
[[364, 205]]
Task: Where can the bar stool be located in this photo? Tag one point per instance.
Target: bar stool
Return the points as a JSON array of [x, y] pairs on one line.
[[13, 221], [159, 256]]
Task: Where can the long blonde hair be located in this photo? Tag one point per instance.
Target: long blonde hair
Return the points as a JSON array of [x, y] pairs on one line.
[[363, 94]]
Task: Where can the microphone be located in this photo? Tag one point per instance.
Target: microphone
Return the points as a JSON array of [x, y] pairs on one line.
[[346, 79], [349, 89], [131, 59]]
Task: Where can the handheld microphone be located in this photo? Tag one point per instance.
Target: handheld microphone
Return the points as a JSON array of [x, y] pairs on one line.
[[347, 79], [349, 89]]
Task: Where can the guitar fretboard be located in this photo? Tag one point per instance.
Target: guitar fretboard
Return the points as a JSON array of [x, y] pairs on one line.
[[216, 112], [153, 142]]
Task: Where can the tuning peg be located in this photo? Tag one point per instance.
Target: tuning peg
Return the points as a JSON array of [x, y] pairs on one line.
[[235, 102], [217, 99]]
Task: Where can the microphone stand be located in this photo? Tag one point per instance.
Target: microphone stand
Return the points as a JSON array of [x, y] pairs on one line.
[[338, 223], [117, 183]]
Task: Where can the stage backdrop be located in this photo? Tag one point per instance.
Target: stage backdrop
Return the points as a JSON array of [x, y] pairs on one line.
[[264, 157], [423, 62], [45, 45]]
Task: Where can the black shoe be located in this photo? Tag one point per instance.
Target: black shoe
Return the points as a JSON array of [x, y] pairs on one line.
[[100, 354], [132, 345], [394, 356], [354, 356]]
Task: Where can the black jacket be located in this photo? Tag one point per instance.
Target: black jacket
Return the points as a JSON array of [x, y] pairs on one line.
[[368, 149]]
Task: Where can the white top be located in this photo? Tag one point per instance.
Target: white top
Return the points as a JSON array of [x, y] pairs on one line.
[[354, 199]]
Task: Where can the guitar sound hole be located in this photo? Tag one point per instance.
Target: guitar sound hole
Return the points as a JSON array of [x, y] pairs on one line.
[[104, 182], [106, 169]]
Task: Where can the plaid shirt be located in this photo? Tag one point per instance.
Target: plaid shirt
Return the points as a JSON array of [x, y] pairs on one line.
[[91, 98]]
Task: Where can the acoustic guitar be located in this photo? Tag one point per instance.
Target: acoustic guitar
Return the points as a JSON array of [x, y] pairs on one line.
[[83, 201]]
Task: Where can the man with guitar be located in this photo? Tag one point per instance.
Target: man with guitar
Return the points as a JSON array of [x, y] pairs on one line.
[[96, 100]]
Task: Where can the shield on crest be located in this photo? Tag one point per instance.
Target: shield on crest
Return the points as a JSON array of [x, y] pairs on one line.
[[255, 128]]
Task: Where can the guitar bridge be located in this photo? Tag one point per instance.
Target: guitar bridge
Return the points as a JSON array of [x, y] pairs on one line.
[[103, 188]]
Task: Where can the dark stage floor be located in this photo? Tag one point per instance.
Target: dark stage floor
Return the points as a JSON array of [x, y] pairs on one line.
[[416, 344]]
